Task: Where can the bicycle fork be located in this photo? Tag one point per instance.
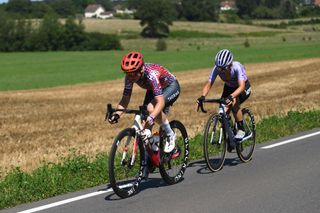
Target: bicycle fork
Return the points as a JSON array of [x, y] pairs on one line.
[[137, 126], [214, 131], [125, 151]]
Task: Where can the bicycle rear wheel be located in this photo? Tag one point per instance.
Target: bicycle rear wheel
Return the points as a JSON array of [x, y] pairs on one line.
[[214, 143], [246, 147], [174, 164], [125, 170]]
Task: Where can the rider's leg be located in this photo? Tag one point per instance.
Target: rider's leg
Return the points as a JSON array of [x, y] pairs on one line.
[[237, 113], [161, 119], [170, 94]]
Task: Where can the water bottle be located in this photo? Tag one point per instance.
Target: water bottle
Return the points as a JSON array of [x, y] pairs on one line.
[[146, 135], [154, 142]]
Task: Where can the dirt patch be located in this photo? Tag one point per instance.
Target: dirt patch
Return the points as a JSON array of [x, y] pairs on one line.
[[44, 125]]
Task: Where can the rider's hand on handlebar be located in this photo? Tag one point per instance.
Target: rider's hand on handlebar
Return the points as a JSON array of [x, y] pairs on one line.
[[114, 118], [228, 100], [150, 120], [201, 99]]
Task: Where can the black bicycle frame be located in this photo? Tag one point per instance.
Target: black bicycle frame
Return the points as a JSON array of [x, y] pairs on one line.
[[224, 116]]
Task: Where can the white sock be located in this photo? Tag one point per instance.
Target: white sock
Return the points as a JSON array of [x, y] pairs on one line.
[[167, 128]]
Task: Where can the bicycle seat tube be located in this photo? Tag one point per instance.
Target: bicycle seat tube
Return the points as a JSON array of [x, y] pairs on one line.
[[226, 124]]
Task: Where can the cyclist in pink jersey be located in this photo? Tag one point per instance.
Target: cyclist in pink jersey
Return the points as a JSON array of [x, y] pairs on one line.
[[236, 89], [162, 91]]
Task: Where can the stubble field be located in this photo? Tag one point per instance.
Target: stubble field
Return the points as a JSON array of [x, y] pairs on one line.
[[47, 124]]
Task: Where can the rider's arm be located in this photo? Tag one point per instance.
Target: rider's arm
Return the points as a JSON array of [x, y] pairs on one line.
[[123, 104], [206, 88], [240, 89], [127, 91], [210, 81]]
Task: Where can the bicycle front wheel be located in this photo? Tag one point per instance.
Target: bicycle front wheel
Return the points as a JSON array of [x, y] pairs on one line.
[[246, 147], [125, 160], [174, 164], [214, 143]]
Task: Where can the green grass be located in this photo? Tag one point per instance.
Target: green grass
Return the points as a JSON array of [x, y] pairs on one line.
[[259, 34], [178, 34], [21, 71], [78, 171]]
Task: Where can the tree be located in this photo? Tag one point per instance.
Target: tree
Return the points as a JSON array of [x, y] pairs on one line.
[[246, 7], [263, 12], [74, 35], [157, 15], [204, 10], [14, 34], [21, 7], [133, 4], [50, 34], [63, 8], [40, 9], [271, 3], [287, 9], [105, 3]]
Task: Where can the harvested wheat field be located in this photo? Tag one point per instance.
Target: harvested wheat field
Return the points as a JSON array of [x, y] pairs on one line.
[[46, 124]]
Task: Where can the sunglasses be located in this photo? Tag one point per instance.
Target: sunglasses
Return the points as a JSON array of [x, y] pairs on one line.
[[132, 74], [223, 69]]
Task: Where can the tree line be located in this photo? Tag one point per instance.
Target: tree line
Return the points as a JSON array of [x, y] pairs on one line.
[[157, 15], [51, 35], [38, 9], [18, 34], [191, 10]]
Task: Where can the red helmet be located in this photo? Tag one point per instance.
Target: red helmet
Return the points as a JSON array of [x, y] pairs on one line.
[[132, 62]]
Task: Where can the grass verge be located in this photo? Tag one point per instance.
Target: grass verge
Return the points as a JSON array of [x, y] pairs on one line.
[[20, 71], [78, 171]]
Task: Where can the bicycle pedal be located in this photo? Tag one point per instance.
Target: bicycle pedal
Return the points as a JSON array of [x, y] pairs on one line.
[[175, 153]]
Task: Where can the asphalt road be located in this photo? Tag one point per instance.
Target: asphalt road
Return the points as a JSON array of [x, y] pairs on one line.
[[284, 178]]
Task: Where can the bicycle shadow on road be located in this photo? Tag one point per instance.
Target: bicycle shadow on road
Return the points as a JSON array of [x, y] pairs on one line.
[[152, 182], [204, 169]]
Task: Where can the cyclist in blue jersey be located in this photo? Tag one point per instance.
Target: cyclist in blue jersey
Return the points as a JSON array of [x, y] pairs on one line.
[[236, 88], [162, 91]]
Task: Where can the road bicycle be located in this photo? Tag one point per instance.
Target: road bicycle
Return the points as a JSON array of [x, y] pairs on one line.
[[219, 136], [132, 153]]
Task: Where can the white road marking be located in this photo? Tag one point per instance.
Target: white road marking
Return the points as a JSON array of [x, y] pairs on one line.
[[62, 202], [290, 140]]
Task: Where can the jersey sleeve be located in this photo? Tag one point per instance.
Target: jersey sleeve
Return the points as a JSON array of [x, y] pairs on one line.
[[241, 73], [127, 91], [155, 84], [213, 75]]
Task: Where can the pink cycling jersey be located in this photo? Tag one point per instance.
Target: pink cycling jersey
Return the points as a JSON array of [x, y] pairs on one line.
[[154, 77], [237, 73]]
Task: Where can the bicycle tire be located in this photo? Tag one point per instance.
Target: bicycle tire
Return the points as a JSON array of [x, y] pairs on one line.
[[246, 148], [124, 177], [214, 143], [173, 169]]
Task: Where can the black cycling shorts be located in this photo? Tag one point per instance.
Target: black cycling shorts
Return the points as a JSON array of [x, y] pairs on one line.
[[242, 97], [170, 94]]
